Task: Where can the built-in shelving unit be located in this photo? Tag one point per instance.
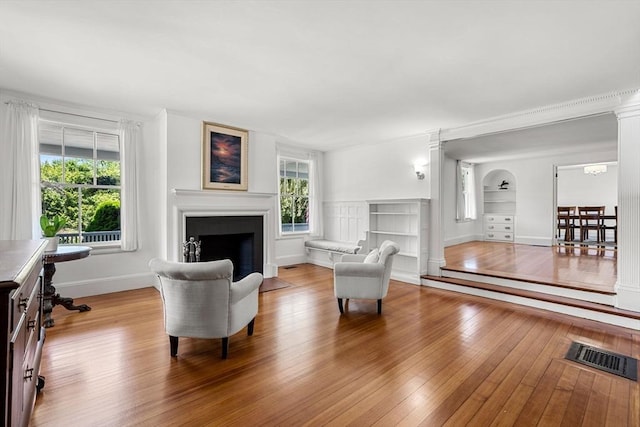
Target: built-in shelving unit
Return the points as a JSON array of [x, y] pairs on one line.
[[405, 222], [499, 192]]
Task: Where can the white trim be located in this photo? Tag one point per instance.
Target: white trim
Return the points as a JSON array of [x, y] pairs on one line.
[[582, 107]]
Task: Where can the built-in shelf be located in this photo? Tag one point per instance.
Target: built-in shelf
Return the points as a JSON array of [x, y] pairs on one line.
[[499, 205], [405, 222]]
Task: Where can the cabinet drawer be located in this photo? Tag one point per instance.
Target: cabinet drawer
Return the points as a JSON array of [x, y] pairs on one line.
[[492, 227], [498, 235], [508, 219]]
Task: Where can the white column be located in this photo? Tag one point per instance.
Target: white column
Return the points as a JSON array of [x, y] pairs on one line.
[[436, 232], [628, 284]]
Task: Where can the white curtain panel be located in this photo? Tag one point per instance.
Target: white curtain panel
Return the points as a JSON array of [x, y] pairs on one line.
[[315, 190], [21, 173], [130, 135], [465, 200], [459, 196]]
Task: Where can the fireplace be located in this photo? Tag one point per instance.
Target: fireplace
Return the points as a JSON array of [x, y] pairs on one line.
[[238, 238]]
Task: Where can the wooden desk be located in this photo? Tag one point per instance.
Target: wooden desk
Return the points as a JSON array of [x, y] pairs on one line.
[[51, 298]]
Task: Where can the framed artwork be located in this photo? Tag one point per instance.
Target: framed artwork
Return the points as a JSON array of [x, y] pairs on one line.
[[224, 157]]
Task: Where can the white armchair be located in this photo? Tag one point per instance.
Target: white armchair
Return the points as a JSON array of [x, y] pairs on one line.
[[364, 276], [201, 300]]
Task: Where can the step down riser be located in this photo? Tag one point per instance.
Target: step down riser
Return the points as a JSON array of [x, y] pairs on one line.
[[595, 297], [578, 308]]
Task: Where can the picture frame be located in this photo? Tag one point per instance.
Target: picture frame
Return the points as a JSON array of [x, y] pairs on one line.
[[224, 157]]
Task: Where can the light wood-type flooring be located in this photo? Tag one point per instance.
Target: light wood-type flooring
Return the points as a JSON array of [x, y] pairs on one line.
[[566, 266], [432, 358]]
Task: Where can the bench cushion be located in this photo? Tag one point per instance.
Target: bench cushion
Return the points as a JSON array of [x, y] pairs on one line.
[[329, 245]]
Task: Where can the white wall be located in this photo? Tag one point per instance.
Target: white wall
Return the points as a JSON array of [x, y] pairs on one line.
[[382, 171], [575, 188]]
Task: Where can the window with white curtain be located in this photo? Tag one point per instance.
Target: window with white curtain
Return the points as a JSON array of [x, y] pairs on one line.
[[80, 180], [294, 195], [465, 189]]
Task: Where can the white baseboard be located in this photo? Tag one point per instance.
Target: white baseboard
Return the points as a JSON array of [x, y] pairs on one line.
[[107, 285], [290, 260], [463, 239], [535, 241]]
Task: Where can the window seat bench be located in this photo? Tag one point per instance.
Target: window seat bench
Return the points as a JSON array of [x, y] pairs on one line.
[[316, 249]]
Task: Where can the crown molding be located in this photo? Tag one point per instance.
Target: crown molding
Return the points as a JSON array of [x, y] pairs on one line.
[[583, 107]]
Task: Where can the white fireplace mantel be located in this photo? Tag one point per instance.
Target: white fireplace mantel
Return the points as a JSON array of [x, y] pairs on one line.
[[185, 203]]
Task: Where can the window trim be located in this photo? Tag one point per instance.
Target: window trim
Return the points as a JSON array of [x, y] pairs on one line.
[[294, 233], [106, 246]]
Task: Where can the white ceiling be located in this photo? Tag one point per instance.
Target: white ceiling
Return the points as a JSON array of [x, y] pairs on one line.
[[326, 74]]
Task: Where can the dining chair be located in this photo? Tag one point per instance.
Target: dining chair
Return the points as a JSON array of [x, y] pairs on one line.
[[590, 219], [566, 223], [611, 226]]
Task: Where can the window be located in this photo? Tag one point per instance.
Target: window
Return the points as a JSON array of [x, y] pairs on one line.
[[80, 181], [294, 196], [466, 200]]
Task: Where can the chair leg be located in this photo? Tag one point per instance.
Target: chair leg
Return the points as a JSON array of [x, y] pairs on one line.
[[173, 344], [379, 306], [225, 347], [340, 306], [250, 327]]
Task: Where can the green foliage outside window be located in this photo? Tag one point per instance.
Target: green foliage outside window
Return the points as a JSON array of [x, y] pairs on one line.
[[78, 204], [294, 195]]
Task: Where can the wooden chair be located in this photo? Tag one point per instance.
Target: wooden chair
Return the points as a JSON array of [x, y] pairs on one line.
[[590, 218], [565, 222], [613, 227]]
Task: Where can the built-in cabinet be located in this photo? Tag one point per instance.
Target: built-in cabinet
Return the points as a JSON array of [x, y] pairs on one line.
[[499, 200], [21, 327], [404, 221]]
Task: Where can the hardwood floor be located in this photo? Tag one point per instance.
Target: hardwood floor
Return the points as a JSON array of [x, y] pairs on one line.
[[589, 269], [432, 358]]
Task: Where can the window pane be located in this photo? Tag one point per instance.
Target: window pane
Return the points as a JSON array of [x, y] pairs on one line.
[[108, 172], [301, 208], [291, 168], [78, 143], [303, 170], [62, 202], [304, 188], [282, 167], [78, 171], [286, 210], [107, 146], [100, 209], [50, 168]]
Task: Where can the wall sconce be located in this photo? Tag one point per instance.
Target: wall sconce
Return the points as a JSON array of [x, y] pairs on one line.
[[418, 167], [595, 169]]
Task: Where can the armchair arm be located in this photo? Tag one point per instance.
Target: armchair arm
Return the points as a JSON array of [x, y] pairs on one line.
[[240, 289], [358, 269]]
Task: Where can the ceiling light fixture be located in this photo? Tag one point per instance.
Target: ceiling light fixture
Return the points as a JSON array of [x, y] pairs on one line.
[[595, 169]]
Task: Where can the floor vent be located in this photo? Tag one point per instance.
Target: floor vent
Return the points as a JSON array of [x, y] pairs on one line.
[[289, 267], [607, 361]]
